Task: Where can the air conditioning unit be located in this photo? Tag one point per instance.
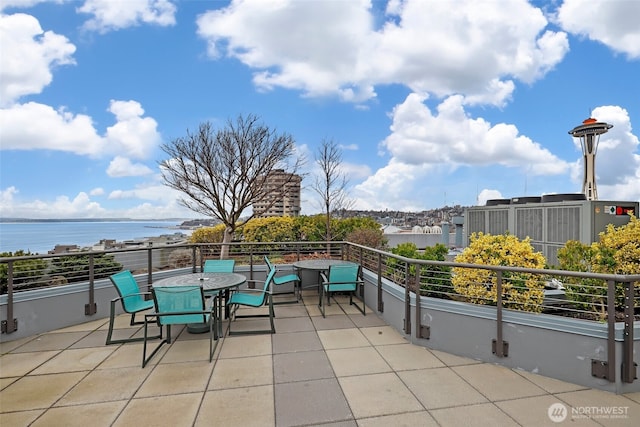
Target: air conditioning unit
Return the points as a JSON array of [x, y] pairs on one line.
[[549, 221]]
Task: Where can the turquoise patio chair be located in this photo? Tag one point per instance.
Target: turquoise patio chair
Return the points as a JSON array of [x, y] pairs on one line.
[[132, 301], [219, 266], [179, 305], [282, 280], [343, 278], [254, 298]]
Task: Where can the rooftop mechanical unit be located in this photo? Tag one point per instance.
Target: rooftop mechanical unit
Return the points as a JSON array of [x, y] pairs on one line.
[[549, 221]]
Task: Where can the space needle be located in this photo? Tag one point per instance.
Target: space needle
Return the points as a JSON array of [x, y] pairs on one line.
[[589, 133]]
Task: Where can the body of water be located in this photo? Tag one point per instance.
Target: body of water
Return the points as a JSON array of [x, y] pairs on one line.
[[41, 237]]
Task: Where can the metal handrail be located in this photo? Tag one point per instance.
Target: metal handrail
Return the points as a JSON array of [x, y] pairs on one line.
[[405, 272]]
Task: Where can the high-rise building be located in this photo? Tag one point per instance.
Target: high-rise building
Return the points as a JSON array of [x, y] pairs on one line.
[[283, 197]]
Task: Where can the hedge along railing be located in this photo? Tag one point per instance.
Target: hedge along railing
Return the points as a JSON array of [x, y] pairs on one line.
[[419, 278]]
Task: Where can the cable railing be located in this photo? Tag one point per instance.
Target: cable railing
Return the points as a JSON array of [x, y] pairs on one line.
[[605, 298]]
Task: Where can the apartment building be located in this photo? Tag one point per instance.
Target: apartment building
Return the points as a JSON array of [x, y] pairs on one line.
[[284, 195]]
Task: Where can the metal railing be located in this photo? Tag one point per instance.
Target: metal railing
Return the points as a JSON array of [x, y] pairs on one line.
[[595, 297]]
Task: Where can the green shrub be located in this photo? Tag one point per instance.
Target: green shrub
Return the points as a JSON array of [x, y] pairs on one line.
[[26, 273], [616, 252]]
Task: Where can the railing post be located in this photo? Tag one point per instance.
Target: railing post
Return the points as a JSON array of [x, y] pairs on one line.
[[407, 300], [361, 262], [606, 369], [499, 347], [91, 307], [149, 266], [194, 259], [251, 262], [10, 325], [380, 301], [628, 365], [422, 331]]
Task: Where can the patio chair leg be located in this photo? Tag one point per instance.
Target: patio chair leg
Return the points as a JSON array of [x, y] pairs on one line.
[[321, 302], [146, 359], [213, 335], [112, 316], [272, 314]]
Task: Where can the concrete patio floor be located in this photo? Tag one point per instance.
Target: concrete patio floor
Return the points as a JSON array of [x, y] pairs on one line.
[[342, 370]]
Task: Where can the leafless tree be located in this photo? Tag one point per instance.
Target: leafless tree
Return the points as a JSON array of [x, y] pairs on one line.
[[221, 172], [331, 182]]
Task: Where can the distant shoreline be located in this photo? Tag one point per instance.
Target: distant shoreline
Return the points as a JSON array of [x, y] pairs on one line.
[[14, 220]]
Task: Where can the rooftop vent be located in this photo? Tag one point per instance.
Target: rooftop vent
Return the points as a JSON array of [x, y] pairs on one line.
[[495, 202], [563, 197], [523, 200]]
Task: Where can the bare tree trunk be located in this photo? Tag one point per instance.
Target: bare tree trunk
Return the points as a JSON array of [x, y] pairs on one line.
[[228, 237]]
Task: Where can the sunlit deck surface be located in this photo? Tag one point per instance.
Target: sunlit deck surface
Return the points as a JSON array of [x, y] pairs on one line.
[[342, 370]]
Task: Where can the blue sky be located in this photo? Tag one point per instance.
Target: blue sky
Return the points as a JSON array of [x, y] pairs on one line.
[[432, 102]]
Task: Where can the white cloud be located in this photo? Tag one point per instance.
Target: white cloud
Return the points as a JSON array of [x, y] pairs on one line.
[[26, 3], [453, 138], [612, 23], [337, 49], [426, 149], [80, 206], [488, 194], [121, 166], [6, 197], [34, 126], [132, 135], [109, 15], [396, 184], [147, 191], [28, 55], [431, 153], [98, 191], [37, 126]]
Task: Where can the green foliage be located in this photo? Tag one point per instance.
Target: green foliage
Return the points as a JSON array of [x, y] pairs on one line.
[[520, 291], [75, 268], [433, 278], [26, 273], [342, 227], [617, 252], [311, 228], [373, 238]]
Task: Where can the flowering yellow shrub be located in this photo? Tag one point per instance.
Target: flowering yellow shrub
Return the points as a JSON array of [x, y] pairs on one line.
[[213, 234], [617, 252], [619, 249], [271, 229], [520, 291]]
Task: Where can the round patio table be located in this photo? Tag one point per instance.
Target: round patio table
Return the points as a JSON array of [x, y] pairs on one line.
[[319, 264], [219, 282]]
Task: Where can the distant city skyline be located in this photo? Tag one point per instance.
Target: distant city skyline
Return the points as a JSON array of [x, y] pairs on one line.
[[431, 105]]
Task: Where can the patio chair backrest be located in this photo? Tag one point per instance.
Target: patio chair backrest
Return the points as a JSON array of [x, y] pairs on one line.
[[219, 265], [129, 291], [268, 262], [178, 299], [344, 274], [267, 286]]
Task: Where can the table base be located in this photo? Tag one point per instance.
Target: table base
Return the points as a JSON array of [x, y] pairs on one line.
[[198, 328]]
